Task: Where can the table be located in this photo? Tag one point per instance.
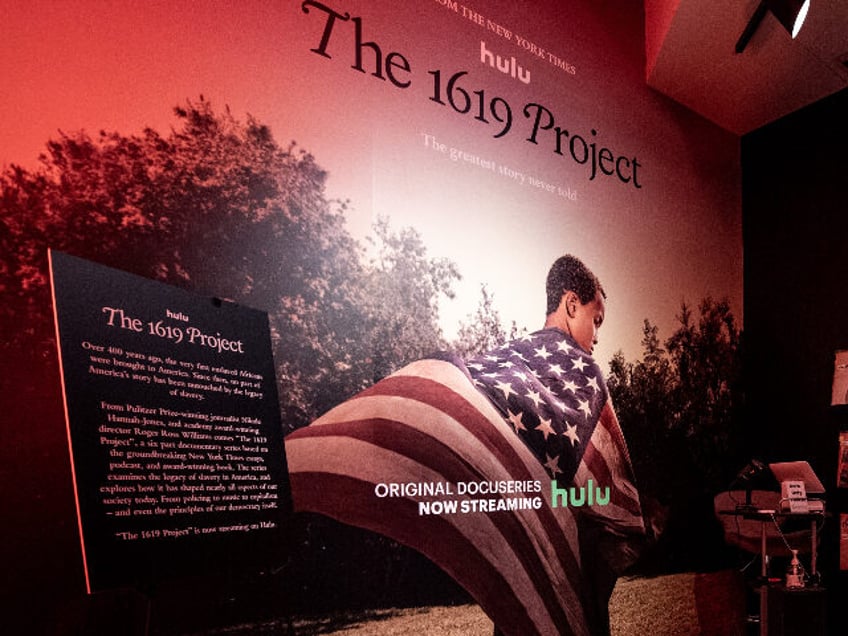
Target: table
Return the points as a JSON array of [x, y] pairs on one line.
[[758, 531]]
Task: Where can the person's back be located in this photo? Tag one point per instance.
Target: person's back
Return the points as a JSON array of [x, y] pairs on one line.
[[552, 393]]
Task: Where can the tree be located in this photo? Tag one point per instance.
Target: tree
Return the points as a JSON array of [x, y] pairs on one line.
[[708, 397], [218, 207], [482, 331], [642, 393], [689, 390], [679, 408], [404, 287]]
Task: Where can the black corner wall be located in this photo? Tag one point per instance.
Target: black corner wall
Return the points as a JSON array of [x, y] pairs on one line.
[[795, 224]]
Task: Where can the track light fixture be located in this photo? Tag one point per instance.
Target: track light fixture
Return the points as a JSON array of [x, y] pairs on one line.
[[790, 13]]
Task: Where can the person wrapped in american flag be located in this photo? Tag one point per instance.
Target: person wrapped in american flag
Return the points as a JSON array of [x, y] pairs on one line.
[[509, 471]]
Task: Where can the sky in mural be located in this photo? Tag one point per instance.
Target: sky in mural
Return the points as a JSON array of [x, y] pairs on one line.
[[506, 140]]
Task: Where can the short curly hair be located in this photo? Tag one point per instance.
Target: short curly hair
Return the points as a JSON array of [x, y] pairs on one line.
[[568, 273]]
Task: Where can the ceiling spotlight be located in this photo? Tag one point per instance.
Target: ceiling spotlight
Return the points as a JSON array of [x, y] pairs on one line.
[[790, 13]]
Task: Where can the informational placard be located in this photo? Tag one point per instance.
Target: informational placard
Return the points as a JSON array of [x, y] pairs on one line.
[[842, 461], [173, 424], [843, 541], [839, 392], [793, 497]]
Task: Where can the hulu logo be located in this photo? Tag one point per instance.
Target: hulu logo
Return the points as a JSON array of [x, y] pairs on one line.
[[576, 497]]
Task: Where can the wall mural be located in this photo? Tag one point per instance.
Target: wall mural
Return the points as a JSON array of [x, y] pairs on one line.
[[391, 185]]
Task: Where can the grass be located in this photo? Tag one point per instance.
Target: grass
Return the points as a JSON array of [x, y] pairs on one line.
[[656, 606], [461, 620], [659, 606]]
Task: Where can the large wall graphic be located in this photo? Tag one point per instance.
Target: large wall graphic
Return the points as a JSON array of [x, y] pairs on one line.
[[381, 179]]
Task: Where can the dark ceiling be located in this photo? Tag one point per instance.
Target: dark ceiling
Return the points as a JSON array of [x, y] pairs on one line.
[[690, 57]]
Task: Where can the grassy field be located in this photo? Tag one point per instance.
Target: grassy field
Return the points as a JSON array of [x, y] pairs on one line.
[[659, 606], [461, 620]]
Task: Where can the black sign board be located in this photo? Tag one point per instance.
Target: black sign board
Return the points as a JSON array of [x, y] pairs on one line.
[[173, 424]]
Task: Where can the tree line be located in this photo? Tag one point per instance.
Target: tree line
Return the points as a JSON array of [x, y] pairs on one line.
[[219, 207], [681, 409]]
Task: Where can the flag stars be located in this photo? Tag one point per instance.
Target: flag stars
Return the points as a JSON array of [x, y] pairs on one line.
[[517, 420], [557, 404], [571, 433], [545, 428], [570, 386], [534, 397], [556, 369], [545, 376], [543, 353], [563, 346], [505, 388], [553, 465]]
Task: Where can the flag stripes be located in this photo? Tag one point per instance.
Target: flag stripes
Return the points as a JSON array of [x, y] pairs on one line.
[[429, 424], [604, 463]]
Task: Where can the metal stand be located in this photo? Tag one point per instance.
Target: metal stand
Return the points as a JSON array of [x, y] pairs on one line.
[[770, 594]]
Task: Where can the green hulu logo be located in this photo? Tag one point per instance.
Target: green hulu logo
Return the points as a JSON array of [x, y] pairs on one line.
[[577, 497]]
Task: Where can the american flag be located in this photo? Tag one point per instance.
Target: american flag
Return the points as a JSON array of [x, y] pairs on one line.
[[429, 424], [555, 398]]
